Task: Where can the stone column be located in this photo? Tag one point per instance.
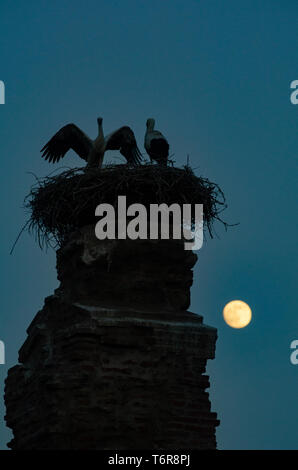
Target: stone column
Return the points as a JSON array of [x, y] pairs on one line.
[[114, 360]]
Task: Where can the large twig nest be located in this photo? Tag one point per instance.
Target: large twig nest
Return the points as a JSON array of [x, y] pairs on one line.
[[60, 204]]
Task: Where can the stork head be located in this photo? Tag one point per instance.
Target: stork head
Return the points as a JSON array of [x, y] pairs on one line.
[[150, 124], [99, 121]]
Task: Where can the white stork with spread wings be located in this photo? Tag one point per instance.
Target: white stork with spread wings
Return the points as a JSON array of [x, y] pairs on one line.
[[92, 151], [156, 144]]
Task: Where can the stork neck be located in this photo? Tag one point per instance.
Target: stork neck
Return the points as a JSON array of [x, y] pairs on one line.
[[150, 126], [100, 136]]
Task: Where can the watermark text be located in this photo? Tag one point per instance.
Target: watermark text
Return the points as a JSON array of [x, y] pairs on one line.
[[160, 221], [2, 92], [294, 94], [294, 354], [2, 353]]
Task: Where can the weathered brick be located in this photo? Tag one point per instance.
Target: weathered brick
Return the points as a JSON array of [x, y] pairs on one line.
[[114, 359]]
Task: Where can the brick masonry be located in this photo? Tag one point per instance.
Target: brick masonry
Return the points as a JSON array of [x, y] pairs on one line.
[[114, 360]]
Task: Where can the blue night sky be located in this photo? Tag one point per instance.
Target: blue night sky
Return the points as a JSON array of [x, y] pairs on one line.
[[216, 76]]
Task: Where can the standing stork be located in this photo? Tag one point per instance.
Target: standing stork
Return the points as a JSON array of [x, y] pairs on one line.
[[92, 151], [156, 144]]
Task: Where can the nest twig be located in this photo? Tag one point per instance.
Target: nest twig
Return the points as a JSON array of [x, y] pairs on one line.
[[62, 203]]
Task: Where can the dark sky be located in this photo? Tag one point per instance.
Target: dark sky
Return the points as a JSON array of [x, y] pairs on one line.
[[216, 76]]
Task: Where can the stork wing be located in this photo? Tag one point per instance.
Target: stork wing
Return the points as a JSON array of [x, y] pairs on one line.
[[124, 140], [68, 137]]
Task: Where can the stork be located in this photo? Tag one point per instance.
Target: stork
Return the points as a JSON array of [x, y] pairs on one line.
[[92, 151], [156, 144]]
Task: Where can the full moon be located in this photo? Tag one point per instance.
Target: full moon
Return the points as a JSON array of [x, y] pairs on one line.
[[237, 314]]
